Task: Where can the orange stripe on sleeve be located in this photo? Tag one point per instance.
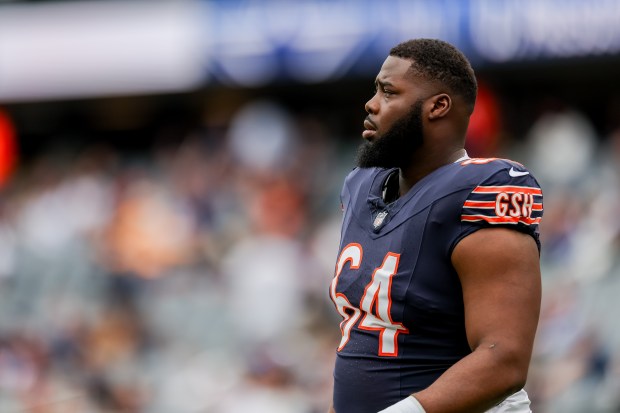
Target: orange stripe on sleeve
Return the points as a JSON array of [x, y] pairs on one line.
[[497, 189], [501, 220], [479, 204]]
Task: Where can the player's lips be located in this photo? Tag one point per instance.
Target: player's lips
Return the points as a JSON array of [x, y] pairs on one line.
[[369, 129]]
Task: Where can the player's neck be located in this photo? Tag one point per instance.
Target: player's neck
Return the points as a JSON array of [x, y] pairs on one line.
[[423, 166]]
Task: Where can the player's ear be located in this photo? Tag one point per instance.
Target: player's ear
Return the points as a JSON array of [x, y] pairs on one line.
[[441, 105]]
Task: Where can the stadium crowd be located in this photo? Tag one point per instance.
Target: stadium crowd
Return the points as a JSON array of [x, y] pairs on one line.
[[193, 277]]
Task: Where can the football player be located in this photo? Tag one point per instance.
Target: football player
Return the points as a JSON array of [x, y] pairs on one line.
[[438, 277]]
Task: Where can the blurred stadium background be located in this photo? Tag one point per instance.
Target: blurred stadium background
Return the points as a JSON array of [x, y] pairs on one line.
[[170, 172]]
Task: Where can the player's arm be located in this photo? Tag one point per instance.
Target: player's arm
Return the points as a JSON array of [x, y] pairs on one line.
[[500, 275]]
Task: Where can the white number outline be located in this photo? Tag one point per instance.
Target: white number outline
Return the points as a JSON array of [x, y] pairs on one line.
[[377, 296], [353, 253]]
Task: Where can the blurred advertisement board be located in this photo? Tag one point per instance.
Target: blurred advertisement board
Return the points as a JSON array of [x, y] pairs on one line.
[[69, 49]]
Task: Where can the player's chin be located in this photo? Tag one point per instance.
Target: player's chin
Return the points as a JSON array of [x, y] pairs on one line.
[[369, 157]]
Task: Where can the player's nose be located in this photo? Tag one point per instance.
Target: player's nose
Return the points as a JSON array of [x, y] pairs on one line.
[[372, 106]]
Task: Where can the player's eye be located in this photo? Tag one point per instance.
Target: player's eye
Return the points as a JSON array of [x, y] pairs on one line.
[[384, 90]]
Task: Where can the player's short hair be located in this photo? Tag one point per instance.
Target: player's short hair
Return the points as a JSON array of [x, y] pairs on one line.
[[437, 60]]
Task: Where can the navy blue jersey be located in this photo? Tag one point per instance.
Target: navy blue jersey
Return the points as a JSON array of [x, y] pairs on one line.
[[395, 286]]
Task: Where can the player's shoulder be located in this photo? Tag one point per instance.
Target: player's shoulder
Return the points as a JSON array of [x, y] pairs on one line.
[[491, 165], [504, 192], [496, 171]]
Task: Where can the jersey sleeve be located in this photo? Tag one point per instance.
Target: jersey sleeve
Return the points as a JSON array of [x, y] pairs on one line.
[[508, 198]]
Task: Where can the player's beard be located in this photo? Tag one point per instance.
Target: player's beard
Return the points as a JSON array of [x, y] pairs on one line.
[[395, 148]]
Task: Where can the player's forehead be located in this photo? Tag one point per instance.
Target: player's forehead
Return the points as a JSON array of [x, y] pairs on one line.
[[395, 70]]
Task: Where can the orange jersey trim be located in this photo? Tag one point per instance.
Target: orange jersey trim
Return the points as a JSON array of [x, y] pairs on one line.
[[500, 220], [479, 204], [491, 205], [507, 188]]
